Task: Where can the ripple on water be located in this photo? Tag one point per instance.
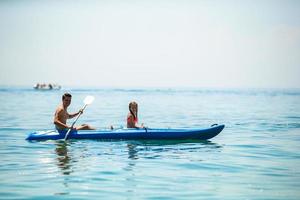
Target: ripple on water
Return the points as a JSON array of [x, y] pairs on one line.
[[256, 156]]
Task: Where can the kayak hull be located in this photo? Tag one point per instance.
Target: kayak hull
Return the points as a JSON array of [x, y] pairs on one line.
[[131, 134]]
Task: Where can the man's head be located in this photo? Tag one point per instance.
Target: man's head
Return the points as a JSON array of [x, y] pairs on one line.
[[66, 99]]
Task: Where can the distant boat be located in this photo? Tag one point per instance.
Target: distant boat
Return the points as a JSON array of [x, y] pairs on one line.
[[49, 86]]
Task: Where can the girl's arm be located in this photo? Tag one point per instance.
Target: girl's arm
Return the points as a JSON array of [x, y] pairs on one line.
[[132, 124]]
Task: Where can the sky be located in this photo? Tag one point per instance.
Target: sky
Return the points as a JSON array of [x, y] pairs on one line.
[[157, 43]]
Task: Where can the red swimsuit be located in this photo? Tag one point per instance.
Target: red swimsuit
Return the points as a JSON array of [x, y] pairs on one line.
[[129, 119]]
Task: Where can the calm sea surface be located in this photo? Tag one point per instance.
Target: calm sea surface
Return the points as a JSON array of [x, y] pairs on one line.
[[256, 156]]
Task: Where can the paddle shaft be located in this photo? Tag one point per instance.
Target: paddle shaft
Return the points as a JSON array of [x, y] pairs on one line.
[[67, 134]]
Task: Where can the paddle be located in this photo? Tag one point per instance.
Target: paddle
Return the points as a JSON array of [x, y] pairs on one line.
[[87, 101]]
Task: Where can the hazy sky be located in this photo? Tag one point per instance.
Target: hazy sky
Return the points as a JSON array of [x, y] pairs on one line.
[[151, 43]]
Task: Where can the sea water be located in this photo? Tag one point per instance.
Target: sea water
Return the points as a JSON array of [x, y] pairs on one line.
[[256, 156]]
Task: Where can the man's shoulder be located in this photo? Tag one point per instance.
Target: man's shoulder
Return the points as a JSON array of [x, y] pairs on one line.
[[60, 109]]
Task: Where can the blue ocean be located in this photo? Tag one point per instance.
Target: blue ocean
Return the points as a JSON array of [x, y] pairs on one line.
[[256, 156]]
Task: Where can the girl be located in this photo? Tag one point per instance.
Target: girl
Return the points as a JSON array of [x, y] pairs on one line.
[[132, 117]]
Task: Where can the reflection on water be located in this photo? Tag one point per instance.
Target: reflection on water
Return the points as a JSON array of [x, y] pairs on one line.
[[63, 158], [141, 148], [132, 151], [159, 153], [91, 160], [173, 142]]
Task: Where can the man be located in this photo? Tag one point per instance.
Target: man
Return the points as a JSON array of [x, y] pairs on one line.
[[61, 115]]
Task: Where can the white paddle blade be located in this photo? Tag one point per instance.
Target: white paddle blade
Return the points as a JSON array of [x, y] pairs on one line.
[[88, 100]]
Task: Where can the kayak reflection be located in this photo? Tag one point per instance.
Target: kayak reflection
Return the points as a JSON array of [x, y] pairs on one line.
[[151, 149]]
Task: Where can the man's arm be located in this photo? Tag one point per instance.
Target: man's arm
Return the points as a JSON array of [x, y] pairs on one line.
[[74, 114]]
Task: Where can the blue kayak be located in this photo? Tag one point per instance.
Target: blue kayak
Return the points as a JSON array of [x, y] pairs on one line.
[[132, 134]]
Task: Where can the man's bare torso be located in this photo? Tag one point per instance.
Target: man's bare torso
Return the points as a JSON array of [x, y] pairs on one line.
[[62, 115]]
